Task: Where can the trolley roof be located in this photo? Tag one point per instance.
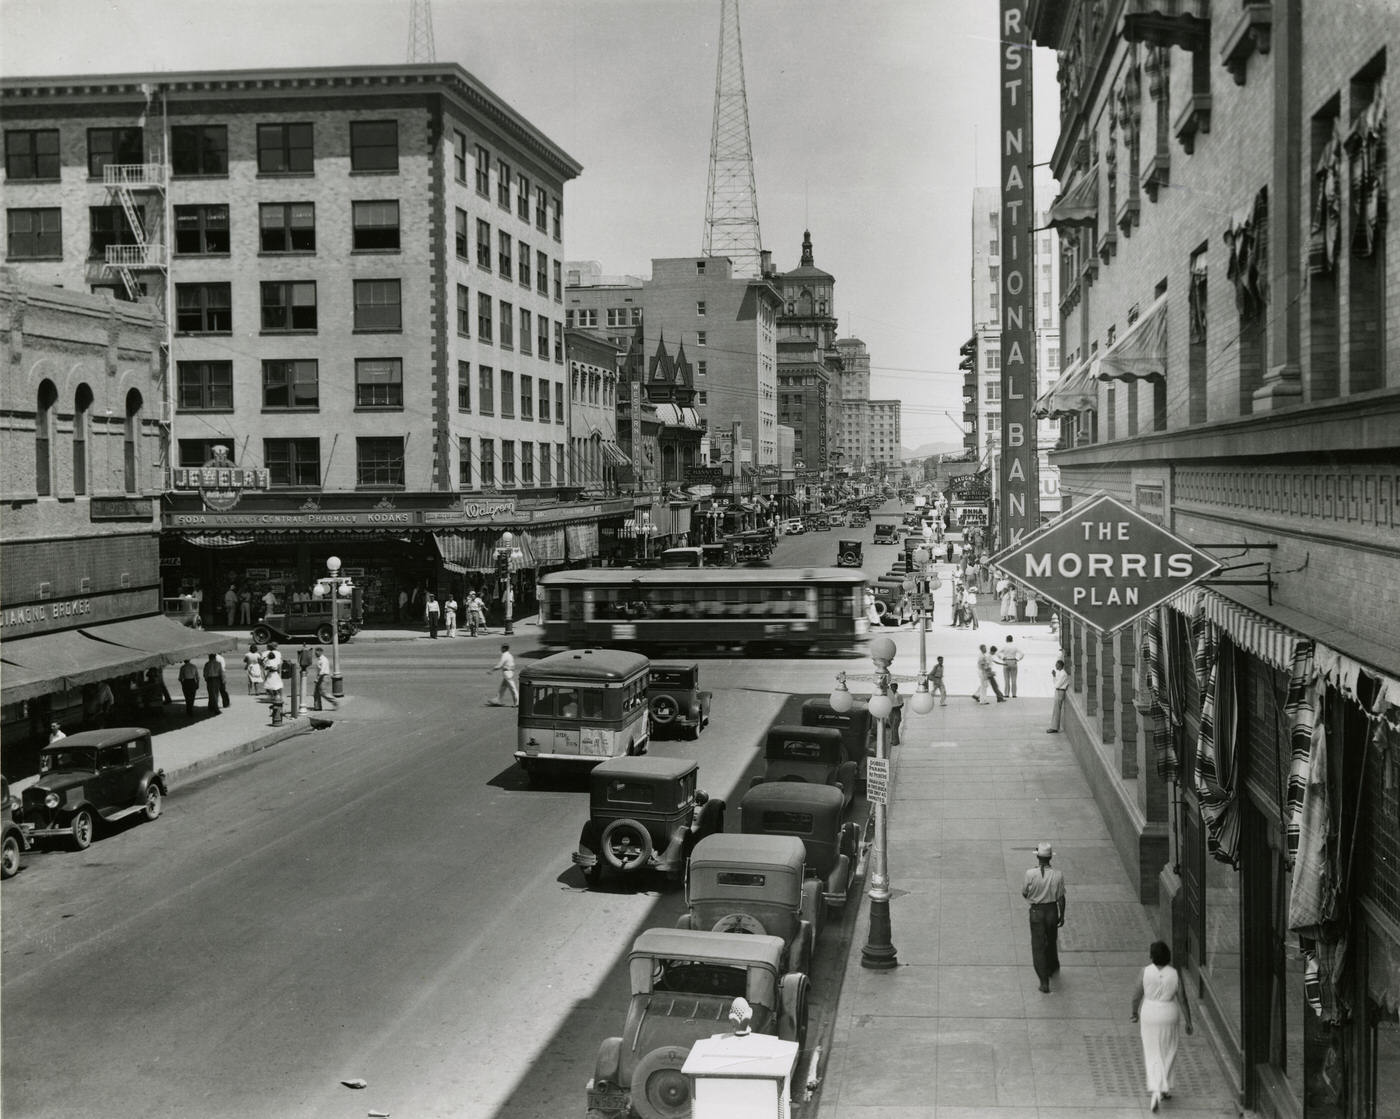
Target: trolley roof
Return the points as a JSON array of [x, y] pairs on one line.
[[623, 576], [588, 664]]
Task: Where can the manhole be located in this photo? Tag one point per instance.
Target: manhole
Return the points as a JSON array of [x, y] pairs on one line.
[[1102, 926], [1116, 1068]]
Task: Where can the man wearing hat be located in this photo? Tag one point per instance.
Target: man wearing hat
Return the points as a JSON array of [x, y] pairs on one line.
[[1045, 890]]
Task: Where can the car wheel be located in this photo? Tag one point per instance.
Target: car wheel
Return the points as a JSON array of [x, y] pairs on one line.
[[693, 731], [262, 635], [626, 845], [82, 829], [9, 857], [739, 923], [324, 634], [792, 1020], [664, 709], [659, 1089], [152, 807]]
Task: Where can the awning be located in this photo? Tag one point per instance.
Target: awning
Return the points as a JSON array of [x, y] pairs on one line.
[[468, 552], [545, 544], [631, 528], [1046, 405], [677, 416], [613, 453], [56, 662], [1271, 642], [1142, 351], [1079, 204], [581, 541], [1075, 391]]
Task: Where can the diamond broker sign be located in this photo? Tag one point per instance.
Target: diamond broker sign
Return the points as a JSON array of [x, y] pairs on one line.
[[1105, 563]]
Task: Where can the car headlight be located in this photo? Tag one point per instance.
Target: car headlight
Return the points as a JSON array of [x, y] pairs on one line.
[[51, 801]]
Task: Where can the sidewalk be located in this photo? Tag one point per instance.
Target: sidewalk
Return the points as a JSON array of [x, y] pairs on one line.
[[960, 1028]]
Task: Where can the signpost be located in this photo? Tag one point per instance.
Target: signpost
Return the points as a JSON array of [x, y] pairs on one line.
[[1105, 563], [877, 780]]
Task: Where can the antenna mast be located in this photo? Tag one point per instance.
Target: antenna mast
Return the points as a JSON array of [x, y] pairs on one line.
[[420, 32], [731, 205]]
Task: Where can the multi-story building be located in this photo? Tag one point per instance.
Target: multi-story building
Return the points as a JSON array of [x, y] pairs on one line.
[[362, 272], [855, 369], [872, 434], [809, 365], [595, 456], [1230, 301]]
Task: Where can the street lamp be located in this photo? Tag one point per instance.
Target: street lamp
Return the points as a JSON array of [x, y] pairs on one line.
[[338, 586], [922, 703], [507, 556]]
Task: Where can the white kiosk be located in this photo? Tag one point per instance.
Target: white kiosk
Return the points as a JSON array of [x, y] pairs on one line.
[[742, 1075]]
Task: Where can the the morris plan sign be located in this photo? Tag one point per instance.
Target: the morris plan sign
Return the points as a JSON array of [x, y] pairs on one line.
[[1105, 563]]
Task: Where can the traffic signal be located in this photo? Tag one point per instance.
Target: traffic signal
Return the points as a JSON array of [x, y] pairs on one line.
[[968, 352], [502, 561]]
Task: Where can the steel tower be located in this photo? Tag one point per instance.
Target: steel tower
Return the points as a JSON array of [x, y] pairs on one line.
[[420, 32], [731, 204]]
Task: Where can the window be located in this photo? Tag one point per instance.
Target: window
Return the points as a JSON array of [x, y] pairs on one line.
[[379, 462], [131, 448], [541, 209], [287, 227], [376, 226], [486, 389], [617, 316], [503, 184], [204, 386], [507, 394], [377, 305], [196, 452], [1052, 357], [700, 307], [488, 462], [463, 239], [558, 461], [31, 153], [203, 309], [559, 342], [285, 149], [483, 317], [586, 317], [507, 321], [699, 267], [289, 305], [374, 145], [527, 397], [636, 316], [464, 386], [378, 382], [542, 337], [700, 338], [504, 258], [201, 230], [507, 462], [559, 407], [525, 328], [199, 149], [108, 146], [483, 172], [704, 398], [558, 282], [527, 464], [523, 271], [994, 247], [291, 384], [544, 464], [991, 393], [522, 198], [107, 225], [543, 398], [464, 311], [82, 405], [483, 243], [34, 234], [542, 273], [292, 462], [459, 155], [993, 363], [702, 368], [464, 461], [558, 219]]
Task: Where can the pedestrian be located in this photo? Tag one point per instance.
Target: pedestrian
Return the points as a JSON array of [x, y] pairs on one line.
[[323, 681], [949, 551], [1060, 678], [223, 678], [476, 613], [1011, 655], [449, 615], [106, 701], [402, 607], [189, 684], [155, 688], [970, 606], [252, 666], [506, 667], [1044, 889], [245, 607], [1032, 607], [272, 674], [269, 602], [55, 732], [214, 681], [231, 603], [936, 683], [992, 661], [1007, 591], [1160, 1009], [434, 613]]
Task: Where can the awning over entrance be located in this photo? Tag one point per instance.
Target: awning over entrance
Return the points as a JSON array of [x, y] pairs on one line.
[[467, 552], [614, 454], [1142, 351], [56, 662], [1076, 390], [1078, 205]]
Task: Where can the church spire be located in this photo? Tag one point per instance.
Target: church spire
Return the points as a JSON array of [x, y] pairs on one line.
[[807, 248]]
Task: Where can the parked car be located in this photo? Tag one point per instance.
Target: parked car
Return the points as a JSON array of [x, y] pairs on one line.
[[683, 985], [14, 839], [307, 621], [644, 812], [856, 727], [816, 815], [96, 775], [816, 755], [755, 884], [183, 609], [886, 533], [793, 526], [675, 698], [849, 553]]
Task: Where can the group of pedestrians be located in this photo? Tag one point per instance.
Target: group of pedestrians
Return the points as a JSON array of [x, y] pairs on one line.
[[989, 659], [444, 615], [265, 671]]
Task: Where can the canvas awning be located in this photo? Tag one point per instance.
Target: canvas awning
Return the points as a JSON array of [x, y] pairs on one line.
[[614, 454], [1077, 205], [1076, 390], [676, 416], [468, 552], [1142, 351]]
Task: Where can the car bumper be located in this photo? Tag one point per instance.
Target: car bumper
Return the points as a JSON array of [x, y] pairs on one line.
[[611, 1103], [586, 860]]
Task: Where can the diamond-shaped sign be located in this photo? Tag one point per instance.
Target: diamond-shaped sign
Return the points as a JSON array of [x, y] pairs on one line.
[[1105, 563]]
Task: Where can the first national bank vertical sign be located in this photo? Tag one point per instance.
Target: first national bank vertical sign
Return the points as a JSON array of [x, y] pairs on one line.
[[1019, 508]]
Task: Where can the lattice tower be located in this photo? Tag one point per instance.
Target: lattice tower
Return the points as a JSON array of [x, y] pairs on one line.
[[420, 32], [731, 204]]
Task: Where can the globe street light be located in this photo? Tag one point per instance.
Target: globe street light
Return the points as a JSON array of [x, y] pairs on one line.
[[337, 586], [507, 556]]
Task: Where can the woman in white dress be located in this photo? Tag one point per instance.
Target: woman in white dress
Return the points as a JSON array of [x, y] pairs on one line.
[[252, 665], [1160, 1008]]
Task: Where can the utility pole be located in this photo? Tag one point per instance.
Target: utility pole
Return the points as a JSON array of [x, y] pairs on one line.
[[420, 32], [731, 203]]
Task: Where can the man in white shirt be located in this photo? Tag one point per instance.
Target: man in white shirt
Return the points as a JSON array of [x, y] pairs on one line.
[[1010, 665], [508, 695], [323, 681], [1060, 678]]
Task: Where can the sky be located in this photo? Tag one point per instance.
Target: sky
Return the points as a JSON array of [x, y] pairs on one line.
[[871, 123]]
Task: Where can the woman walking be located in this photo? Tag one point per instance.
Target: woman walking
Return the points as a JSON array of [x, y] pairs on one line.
[[1160, 1008], [252, 665]]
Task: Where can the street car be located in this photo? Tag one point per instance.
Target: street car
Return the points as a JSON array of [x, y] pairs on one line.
[[307, 621], [886, 532], [91, 777], [816, 755], [683, 985], [675, 698], [14, 839], [644, 813], [849, 553], [816, 815]]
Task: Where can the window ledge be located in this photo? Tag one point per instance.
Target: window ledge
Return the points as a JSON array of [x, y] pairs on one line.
[[1252, 32], [378, 408], [11, 181], [279, 409], [1156, 174], [182, 410], [203, 256], [1128, 213], [376, 252], [59, 256], [380, 487], [185, 176], [266, 331], [286, 252], [377, 330], [203, 333], [1194, 118], [381, 171], [286, 174]]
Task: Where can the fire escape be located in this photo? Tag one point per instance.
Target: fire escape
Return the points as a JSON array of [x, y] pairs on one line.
[[140, 188]]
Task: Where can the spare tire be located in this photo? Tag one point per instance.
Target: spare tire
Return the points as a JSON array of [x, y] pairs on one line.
[[659, 1089], [626, 845], [745, 923], [850, 559], [880, 608], [664, 709]]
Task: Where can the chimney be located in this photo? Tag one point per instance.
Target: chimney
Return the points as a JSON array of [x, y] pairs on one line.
[[765, 263]]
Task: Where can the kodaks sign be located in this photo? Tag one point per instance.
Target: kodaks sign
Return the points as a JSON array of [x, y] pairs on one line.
[[1106, 563]]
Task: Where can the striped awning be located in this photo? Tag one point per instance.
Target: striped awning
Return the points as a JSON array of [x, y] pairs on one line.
[[631, 527], [1142, 351], [614, 454], [1249, 630], [1078, 204], [470, 551]]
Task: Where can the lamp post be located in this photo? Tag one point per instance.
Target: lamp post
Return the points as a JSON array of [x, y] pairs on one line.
[[338, 586], [507, 556]]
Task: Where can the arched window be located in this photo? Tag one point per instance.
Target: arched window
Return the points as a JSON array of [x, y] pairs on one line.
[[82, 407], [131, 442], [43, 438]]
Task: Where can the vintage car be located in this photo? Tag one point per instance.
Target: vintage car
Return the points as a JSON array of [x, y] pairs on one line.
[[15, 841], [816, 815], [307, 621], [644, 813], [683, 985], [793, 526], [849, 553], [183, 609], [815, 755], [675, 698], [886, 533], [755, 884], [97, 775], [856, 727]]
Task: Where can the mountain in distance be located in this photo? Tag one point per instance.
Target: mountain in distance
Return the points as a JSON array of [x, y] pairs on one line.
[[927, 450]]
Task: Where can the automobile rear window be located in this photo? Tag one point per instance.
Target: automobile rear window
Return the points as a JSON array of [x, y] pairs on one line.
[[630, 792], [740, 878], [789, 823], [800, 750]]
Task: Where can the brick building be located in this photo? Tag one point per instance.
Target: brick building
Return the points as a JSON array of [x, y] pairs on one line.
[[872, 435], [809, 365], [1230, 304]]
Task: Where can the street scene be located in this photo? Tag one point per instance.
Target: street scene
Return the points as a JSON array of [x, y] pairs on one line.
[[490, 630]]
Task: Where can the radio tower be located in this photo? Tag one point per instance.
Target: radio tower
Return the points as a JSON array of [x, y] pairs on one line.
[[731, 206], [420, 32]]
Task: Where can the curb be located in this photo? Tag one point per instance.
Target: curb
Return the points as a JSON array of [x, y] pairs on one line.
[[288, 729]]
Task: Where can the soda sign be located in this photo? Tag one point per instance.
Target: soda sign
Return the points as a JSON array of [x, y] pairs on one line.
[[1106, 563]]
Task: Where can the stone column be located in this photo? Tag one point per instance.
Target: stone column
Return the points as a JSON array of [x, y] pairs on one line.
[[1127, 710], [1075, 647], [1091, 674], [1108, 732]]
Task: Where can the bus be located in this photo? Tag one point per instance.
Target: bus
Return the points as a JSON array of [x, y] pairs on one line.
[[580, 707], [761, 610]]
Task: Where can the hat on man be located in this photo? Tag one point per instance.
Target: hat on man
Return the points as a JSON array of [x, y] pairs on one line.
[[1044, 851]]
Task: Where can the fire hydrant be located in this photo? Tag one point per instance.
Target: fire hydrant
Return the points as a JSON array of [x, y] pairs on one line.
[[276, 707]]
